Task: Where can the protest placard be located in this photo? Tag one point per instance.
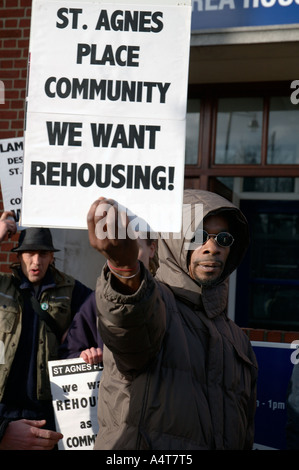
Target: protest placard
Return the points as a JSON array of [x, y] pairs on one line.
[[74, 388], [11, 171], [106, 110]]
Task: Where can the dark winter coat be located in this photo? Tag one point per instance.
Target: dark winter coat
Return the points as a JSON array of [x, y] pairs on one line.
[[178, 373], [83, 333]]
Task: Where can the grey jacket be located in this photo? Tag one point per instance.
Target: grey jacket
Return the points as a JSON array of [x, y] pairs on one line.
[[178, 373]]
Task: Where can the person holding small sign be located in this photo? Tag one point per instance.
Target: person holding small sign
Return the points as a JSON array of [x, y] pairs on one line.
[[37, 304], [178, 373]]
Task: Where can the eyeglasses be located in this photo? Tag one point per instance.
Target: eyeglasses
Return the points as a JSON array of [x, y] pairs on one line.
[[223, 239]]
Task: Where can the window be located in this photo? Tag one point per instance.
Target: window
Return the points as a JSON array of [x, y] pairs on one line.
[[283, 135], [192, 131], [269, 185], [239, 131], [260, 131], [260, 185]]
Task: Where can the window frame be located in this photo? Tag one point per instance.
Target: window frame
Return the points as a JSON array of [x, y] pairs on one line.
[[201, 174]]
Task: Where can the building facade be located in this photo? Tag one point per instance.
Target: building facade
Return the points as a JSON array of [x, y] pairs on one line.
[[242, 141]]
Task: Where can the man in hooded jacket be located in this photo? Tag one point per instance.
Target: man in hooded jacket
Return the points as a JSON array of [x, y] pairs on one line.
[[178, 373]]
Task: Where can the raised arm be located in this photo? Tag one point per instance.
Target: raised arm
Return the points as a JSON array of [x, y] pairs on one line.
[[109, 233], [131, 324]]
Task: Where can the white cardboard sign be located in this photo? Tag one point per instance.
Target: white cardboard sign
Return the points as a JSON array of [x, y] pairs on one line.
[[74, 388], [11, 171], [106, 110]]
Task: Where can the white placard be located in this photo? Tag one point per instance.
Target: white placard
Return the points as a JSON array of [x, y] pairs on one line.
[[11, 171], [106, 110], [74, 388]]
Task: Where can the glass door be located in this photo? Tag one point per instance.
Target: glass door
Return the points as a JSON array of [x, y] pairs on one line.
[[267, 291]]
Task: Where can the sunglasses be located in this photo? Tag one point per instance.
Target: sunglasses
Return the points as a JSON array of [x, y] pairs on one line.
[[223, 239]]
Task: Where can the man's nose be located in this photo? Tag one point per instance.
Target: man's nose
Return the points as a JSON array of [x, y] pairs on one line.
[[211, 246]]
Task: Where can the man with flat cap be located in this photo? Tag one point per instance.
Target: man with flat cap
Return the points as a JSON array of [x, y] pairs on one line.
[[37, 305]]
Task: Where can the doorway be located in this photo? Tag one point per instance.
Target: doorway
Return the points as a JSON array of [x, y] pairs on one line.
[[267, 289]]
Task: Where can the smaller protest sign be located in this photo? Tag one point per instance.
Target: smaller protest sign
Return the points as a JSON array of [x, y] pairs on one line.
[[11, 171], [74, 388]]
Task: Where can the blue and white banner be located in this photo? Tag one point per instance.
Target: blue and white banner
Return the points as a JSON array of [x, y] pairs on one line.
[[218, 14], [275, 362]]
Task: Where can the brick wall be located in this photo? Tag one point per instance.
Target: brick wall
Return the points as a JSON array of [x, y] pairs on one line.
[[14, 43]]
